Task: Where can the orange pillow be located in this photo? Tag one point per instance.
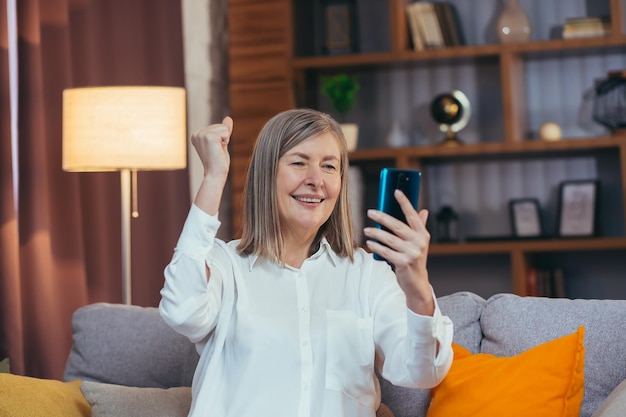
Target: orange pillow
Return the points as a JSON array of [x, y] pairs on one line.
[[34, 397], [547, 380]]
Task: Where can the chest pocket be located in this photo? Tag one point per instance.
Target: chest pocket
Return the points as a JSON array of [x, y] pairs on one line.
[[350, 355]]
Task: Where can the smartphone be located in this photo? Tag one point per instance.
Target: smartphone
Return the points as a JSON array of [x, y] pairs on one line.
[[391, 179]]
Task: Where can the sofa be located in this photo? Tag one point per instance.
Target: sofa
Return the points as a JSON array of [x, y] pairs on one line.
[[128, 362]]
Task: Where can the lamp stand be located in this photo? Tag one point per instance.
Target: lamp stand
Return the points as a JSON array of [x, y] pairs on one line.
[[126, 276]]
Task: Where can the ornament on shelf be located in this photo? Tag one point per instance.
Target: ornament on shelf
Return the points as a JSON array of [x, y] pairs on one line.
[[397, 137], [550, 131], [513, 23], [447, 225], [452, 111], [609, 105]]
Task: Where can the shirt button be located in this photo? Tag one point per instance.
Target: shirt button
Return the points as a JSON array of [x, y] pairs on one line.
[[304, 309]]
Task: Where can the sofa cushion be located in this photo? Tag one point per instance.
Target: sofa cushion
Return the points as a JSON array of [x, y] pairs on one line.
[[512, 324], [615, 403], [464, 309], [544, 381], [128, 345], [34, 397], [108, 400]]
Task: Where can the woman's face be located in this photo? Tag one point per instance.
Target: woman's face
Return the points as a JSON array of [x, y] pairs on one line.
[[308, 184]]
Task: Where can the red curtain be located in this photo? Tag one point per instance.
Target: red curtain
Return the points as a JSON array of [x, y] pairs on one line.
[[61, 247]]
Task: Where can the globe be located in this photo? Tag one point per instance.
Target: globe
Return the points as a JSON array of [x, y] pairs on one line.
[[452, 111], [446, 109]]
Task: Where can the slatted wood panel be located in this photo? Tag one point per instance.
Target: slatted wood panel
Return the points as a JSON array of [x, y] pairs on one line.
[[260, 86]]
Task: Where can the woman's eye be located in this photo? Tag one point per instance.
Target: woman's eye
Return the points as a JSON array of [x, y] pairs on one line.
[[298, 163], [330, 167]]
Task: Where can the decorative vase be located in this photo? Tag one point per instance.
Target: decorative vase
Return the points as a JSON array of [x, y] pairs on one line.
[[351, 133], [513, 23]]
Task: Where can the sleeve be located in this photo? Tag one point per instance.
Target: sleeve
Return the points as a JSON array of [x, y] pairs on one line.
[[413, 351], [189, 302]]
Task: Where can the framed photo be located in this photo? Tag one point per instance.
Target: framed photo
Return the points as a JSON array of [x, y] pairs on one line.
[[577, 208], [337, 21], [525, 217]]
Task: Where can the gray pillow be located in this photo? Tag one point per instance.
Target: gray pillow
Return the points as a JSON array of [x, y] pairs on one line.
[[615, 404], [512, 324], [108, 400], [464, 309], [128, 345]]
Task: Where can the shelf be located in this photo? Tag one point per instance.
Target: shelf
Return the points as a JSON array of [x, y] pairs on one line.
[[528, 246], [491, 148], [514, 88], [470, 51]]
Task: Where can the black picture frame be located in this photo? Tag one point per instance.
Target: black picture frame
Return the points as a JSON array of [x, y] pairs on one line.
[[525, 218], [577, 214], [339, 27]]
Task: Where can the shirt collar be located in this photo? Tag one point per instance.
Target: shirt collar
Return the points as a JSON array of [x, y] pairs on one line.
[[325, 248]]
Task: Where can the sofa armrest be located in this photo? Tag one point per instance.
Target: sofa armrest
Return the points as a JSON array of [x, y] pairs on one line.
[[615, 403], [128, 345]]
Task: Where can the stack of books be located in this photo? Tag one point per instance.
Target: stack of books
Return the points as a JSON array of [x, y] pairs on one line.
[[586, 27], [434, 25], [545, 283]]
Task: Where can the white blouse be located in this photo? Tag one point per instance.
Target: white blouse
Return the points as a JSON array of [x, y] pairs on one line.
[[280, 341]]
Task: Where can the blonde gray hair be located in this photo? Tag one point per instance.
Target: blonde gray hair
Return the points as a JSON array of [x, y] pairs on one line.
[[261, 234]]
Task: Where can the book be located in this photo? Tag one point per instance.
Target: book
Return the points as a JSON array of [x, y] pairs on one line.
[[541, 282], [429, 24], [531, 282], [414, 27], [451, 23], [446, 29], [586, 20], [584, 27], [558, 283]]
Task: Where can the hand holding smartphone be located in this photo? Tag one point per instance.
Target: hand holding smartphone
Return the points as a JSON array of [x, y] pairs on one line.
[[391, 179]]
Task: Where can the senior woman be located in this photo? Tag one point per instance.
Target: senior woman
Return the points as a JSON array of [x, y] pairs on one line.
[[293, 318]]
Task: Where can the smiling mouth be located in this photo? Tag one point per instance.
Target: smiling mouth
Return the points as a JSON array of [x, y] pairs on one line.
[[309, 199]]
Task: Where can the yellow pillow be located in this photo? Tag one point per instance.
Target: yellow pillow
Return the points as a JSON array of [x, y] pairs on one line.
[[34, 397], [547, 380]]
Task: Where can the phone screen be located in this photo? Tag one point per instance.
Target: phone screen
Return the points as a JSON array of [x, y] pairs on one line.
[[391, 179]]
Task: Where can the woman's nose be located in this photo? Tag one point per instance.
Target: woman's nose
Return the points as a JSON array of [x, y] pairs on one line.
[[314, 176]]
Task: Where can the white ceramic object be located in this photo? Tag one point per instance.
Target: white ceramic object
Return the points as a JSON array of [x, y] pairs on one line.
[[351, 133]]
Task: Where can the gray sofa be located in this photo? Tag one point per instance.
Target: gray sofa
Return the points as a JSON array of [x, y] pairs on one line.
[[129, 359]]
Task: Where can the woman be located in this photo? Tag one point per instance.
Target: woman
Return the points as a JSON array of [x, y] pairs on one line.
[[290, 319]]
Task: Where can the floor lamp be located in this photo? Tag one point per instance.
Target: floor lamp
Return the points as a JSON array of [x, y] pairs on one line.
[[124, 129]]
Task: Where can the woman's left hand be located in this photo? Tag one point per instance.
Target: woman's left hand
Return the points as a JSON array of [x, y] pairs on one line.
[[406, 247]]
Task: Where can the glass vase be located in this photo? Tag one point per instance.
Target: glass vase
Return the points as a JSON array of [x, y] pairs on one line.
[[513, 23]]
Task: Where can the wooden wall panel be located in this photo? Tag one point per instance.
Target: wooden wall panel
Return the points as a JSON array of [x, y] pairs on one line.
[[259, 23], [261, 99], [260, 81], [250, 129], [264, 70]]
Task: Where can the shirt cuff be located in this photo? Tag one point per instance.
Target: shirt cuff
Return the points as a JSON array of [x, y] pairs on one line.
[[433, 326], [198, 235]]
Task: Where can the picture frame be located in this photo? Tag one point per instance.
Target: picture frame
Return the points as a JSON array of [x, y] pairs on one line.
[[338, 28], [577, 208], [525, 217]]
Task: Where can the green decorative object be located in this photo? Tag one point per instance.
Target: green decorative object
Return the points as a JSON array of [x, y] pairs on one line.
[[341, 89]]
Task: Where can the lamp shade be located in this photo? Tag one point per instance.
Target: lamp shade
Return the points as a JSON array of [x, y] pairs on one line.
[[113, 128]]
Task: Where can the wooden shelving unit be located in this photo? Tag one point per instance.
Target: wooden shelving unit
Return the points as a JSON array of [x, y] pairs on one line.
[[284, 82]]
